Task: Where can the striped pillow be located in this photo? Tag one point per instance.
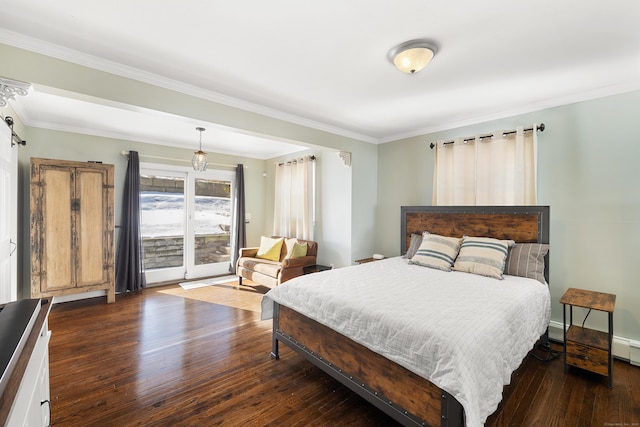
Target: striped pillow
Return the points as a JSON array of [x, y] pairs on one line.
[[527, 260], [437, 251], [483, 255]]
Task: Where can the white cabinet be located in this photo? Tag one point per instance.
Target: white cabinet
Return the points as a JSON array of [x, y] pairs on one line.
[[30, 407]]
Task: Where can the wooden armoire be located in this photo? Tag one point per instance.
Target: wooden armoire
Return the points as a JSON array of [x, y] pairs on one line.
[[72, 216]]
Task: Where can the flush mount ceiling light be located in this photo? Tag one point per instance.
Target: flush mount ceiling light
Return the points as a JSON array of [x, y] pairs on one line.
[[199, 160], [412, 56]]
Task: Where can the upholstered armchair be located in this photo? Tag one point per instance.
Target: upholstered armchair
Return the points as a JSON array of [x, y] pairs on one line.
[[270, 265]]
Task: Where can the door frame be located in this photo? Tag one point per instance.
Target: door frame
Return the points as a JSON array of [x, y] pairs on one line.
[[9, 216]]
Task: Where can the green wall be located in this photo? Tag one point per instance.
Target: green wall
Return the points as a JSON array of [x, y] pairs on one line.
[[589, 175]]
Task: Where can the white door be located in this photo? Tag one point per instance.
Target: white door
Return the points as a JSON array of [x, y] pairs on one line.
[[185, 222], [8, 216]]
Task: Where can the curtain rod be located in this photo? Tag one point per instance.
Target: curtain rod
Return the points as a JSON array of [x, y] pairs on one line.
[[126, 154], [539, 128], [14, 136], [312, 158]]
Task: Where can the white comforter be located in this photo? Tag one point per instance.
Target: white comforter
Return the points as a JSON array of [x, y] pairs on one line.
[[465, 333]]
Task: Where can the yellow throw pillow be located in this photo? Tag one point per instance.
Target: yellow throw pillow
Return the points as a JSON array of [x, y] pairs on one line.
[[270, 248], [297, 250]]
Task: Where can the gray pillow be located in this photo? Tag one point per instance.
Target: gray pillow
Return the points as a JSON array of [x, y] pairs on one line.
[[527, 260], [414, 244]]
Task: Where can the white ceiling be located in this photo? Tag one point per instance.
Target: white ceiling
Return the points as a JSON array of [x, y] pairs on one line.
[[324, 64]]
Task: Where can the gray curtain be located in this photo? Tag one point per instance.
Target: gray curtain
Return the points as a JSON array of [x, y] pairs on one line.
[[130, 275], [239, 228]]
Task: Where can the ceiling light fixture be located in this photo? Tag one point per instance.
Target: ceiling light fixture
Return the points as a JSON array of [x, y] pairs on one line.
[[412, 56], [199, 160]]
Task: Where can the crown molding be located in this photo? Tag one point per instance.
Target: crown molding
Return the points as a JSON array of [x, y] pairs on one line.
[[56, 51], [128, 137], [601, 92], [49, 49]]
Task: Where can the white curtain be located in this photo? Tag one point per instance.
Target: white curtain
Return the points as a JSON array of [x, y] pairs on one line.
[[294, 199], [499, 170]]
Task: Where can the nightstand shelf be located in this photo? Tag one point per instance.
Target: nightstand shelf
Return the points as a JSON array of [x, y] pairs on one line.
[[316, 268], [366, 260], [583, 347]]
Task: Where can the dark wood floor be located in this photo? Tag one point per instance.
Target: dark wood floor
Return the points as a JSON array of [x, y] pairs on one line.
[[201, 357]]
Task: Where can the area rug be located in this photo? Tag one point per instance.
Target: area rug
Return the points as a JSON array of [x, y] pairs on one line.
[[247, 296], [208, 282]]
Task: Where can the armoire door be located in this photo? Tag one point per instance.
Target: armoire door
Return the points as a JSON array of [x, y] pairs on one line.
[[90, 210], [57, 263]]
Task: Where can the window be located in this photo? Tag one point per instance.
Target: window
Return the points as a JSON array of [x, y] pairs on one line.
[[497, 169], [294, 212]]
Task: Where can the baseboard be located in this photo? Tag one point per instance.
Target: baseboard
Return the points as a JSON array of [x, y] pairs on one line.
[[622, 348], [76, 297], [634, 351]]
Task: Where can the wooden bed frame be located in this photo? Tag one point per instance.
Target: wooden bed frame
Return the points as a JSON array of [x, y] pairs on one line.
[[403, 395]]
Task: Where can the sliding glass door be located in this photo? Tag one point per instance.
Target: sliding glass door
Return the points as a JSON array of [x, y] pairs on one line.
[[186, 221]]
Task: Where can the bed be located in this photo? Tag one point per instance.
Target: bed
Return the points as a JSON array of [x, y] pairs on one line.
[[372, 351]]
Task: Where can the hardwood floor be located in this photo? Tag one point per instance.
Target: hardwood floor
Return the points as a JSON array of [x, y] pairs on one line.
[[200, 357]]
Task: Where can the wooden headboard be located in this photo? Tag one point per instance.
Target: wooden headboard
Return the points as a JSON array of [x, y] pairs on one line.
[[522, 224]]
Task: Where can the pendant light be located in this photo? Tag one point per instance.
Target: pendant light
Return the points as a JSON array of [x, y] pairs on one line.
[[199, 160]]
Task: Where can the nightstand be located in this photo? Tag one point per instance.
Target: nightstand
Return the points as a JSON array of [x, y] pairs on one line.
[[315, 268], [366, 260], [583, 347]]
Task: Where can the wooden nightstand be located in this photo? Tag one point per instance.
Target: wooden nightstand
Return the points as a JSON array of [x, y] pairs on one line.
[[583, 347], [366, 260], [316, 268]]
